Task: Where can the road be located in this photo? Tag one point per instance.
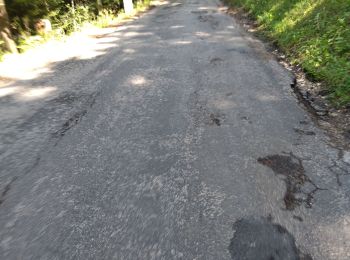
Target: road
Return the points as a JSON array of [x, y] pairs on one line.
[[181, 140]]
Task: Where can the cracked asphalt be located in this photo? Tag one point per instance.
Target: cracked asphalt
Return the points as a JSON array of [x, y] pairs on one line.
[[182, 140]]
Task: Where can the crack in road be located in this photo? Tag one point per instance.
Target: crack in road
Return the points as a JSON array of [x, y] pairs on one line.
[[291, 167], [339, 170], [6, 190], [76, 117]]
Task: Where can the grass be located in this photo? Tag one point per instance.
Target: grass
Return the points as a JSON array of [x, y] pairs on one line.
[[107, 17], [314, 34]]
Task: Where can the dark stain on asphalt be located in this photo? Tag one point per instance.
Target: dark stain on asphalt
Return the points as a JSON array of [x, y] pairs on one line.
[[292, 169], [65, 99], [216, 61], [88, 102], [298, 218], [74, 120], [245, 118], [91, 101], [200, 12], [260, 238], [210, 19], [165, 15], [304, 132], [215, 119], [238, 50], [173, 6], [6, 190]]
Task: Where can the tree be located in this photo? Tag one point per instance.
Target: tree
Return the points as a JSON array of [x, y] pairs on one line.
[[5, 33], [99, 5], [128, 6]]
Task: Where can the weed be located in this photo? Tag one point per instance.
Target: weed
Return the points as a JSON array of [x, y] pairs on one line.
[[314, 34]]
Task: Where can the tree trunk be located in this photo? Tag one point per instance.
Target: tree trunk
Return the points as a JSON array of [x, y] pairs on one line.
[[73, 15], [128, 6], [5, 33], [99, 5]]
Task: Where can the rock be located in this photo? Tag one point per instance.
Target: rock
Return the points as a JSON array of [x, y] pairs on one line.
[[43, 26]]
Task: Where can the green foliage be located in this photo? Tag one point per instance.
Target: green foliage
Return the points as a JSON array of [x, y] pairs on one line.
[[24, 13], [66, 16], [27, 42], [315, 34], [2, 53], [33, 9], [69, 19], [105, 18]]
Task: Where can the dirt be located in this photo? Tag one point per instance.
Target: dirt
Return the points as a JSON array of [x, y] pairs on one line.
[[312, 95], [292, 169]]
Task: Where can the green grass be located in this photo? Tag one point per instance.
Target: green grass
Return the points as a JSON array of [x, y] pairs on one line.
[[108, 17], [314, 34]]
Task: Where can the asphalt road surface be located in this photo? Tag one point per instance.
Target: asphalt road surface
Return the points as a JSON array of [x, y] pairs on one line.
[[181, 141]]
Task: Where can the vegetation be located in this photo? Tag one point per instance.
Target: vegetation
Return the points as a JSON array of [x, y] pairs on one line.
[[65, 16], [5, 34], [313, 33]]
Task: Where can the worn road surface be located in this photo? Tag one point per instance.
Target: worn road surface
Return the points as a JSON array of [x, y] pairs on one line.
[[181, 140]]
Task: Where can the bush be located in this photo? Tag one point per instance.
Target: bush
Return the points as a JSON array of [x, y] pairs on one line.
[[69, 19]]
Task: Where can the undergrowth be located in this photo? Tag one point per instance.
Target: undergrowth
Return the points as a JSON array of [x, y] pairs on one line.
[[66, 21], [314, 34]]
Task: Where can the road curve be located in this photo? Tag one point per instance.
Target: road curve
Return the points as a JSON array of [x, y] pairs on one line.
[[183, 141]]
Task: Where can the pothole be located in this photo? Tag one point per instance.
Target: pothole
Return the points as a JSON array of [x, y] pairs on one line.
[[260, 238], [215, 119], [300, 189], [216, 61]]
